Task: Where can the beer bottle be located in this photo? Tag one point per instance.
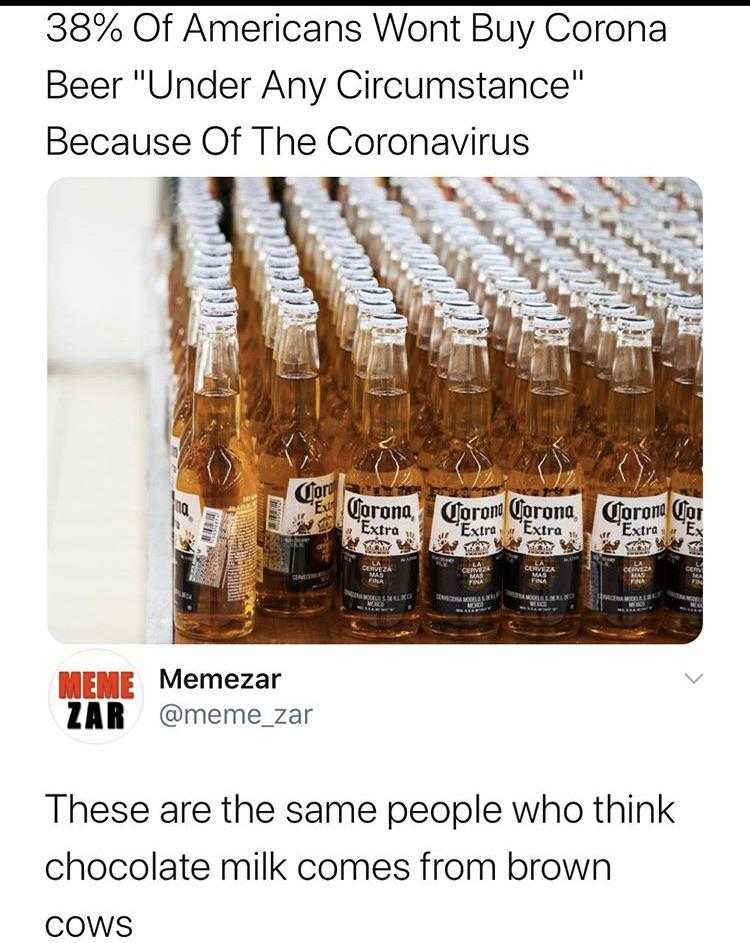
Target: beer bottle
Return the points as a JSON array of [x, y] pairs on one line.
[[214, 288], [296, 497], [370, 304], [382, 518], [583, 395], [684, 569], [215, 495], [464, 496], [682, 377], [544, 513], [678, 303], [434, 441], [625, 501], [591, 439]]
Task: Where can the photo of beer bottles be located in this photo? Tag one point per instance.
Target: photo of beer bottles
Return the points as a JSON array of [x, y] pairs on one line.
[[430, 410], [458, 407]]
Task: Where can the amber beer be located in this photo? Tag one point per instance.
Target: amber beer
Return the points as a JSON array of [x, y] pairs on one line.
[[382, 500], [626, 500], [684, 582], [464, 494], [296, 498], [543, 537], [215, 495]]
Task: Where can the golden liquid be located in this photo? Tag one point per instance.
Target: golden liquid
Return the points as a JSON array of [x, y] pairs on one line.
[[434, 440], [687, 478], [591, 438], [544, 466], [626, 467], [678, 427], [463, 469], [219, 469], [295, 451], [384, 466]]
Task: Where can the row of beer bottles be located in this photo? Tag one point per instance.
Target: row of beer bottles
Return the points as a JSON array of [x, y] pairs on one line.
[[483, 549]]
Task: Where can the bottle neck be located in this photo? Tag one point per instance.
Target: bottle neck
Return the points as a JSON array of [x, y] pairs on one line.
[[386, 406], [216, 396], [297, 382], [549, 403], [632, 407], [468, 400], [297, 401]]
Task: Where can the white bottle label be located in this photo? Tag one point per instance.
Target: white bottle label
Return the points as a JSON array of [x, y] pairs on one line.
[[213, 547], [544, 526], [629, 527], [467, 527], [380, 525], [686, 524], [307, 509]]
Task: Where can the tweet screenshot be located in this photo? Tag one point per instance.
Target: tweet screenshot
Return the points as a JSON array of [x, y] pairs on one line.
[[356, 386]]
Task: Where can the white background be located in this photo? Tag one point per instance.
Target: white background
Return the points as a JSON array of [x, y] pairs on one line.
[[427, 722]]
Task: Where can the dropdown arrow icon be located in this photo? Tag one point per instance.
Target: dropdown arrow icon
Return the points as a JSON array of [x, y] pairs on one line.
[[693, 679]]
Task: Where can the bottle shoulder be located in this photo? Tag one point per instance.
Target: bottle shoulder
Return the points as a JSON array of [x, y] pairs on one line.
[[462, 466], [381, 467], [546, 467], [628, 468], [302, 450], [228, 469]]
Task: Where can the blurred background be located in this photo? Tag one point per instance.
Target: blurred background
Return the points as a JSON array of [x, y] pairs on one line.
[[101, 330]]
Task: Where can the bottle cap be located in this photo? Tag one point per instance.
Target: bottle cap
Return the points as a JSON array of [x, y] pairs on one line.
[[199, 272], [689, 316], [218, 295], [388, 322], [216, 315], [474, 323], [373, 296], [286, 281], [527, 295], [459, 309], [627, 321], [603, 296], [216, 278], [299, 307]]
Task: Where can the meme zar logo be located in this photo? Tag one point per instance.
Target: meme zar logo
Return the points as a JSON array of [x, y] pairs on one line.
[[96, 696]]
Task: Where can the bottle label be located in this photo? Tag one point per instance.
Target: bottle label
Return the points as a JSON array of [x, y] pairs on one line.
[[627, 554], [174, 457], [381, 540], [464, 558], [684, 559], [214, 549], [542, 555], [298, 533]]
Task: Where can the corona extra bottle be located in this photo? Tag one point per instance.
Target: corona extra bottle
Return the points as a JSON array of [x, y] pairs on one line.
[[296, 498], [684, 579], [382, 516], [544, 512], [464, 496], [214, 286], [625, 502], [678, 397], [215, 496]]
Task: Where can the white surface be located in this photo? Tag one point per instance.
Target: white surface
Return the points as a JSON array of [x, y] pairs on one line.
[[97, 506], [100, 235]]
